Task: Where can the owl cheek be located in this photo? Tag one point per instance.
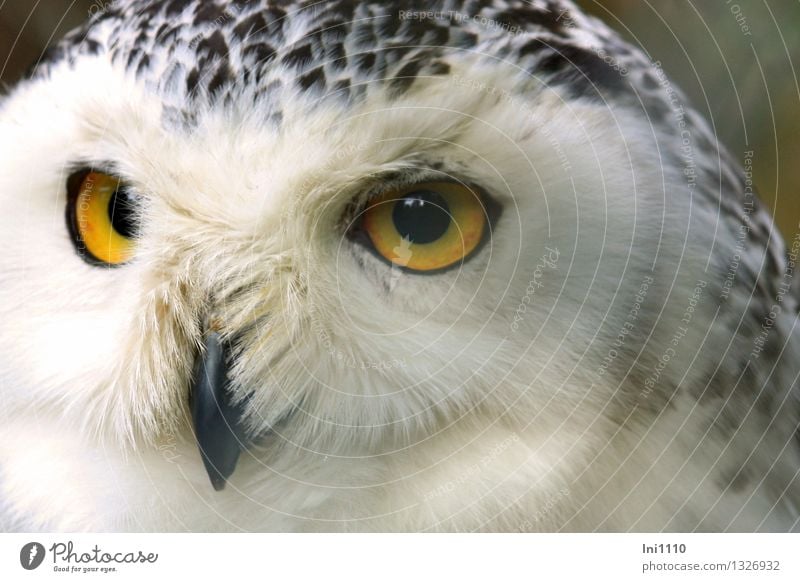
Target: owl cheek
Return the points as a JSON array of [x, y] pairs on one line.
[[89, 353]]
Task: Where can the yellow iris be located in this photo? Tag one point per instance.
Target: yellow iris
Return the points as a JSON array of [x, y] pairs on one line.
[[94, 206], [426, 227]]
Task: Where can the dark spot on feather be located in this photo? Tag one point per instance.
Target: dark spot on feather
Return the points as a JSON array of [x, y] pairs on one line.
[[341, 86], [176, 7], [522, 18], [192, 80], [438, 68], [404, 78], [314, 78], [297, 56], [133, 57], [260, 53], [335, 54], [222, 77], [210, 13], [143, 64], [583, 70], [532, 47], [213, 46], [250, 25], [364, 61], [650, 82]]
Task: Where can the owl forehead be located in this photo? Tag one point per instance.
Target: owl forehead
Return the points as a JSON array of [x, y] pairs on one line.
[[190, 51], [276, 60]]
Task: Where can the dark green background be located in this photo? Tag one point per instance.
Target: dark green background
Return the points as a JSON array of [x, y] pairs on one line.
[[747, 85]]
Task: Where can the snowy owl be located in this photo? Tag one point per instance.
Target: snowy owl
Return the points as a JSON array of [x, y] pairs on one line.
[[279, 265]]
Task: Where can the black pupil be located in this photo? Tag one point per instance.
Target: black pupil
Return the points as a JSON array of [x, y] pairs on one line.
[[121, 213], [421, 216]]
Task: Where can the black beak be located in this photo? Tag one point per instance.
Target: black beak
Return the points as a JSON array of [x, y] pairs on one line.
[[217, 420]]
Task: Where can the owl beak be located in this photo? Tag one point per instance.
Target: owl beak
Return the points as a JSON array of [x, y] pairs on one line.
[[216, 418]]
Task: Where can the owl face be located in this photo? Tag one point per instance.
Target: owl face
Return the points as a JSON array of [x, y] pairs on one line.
[[400, 272], [292, 236]]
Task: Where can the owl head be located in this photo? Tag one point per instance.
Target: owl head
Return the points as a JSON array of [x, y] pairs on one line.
[[345, 231]]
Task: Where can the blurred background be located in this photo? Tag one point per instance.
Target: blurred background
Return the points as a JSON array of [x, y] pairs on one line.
[[736, 59]]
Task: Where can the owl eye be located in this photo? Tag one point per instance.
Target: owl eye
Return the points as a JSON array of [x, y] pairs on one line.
[[102, 217], [426, 227]]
